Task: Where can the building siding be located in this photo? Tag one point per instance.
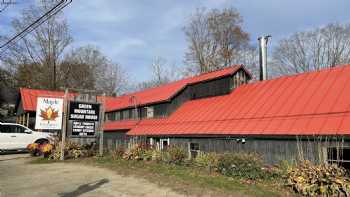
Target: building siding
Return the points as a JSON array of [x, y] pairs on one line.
[[204, 89], [272, 151], [112, 140]]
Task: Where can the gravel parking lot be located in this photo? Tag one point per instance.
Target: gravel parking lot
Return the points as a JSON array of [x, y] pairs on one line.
[[20, 178]]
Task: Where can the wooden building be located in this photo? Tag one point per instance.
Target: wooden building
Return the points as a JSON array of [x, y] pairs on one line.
[[124, 112], [292, 117], [301, 116]]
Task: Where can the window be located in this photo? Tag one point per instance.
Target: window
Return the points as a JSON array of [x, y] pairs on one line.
[[235, 81], [3, 129], [12, 129], [19, 129], [134, 113], [193, 96], [117, 115], [131, 113], [339, 155], [111, 116], [194, 149], [6, 129], [150, 112], [126, 114]]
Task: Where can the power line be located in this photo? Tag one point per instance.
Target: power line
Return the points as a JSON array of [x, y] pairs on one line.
[[5, 5], [58, 7], [4, 8]]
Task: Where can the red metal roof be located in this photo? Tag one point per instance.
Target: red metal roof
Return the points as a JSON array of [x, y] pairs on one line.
[[119, 125], [313, 103], [29, 97], [166, 91], [151, 95]]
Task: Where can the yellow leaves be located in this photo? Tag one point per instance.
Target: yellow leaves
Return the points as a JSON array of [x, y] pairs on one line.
[[316, 180], [338, 181], [46, 148], [322, 189], [300, 179], [32, 146]]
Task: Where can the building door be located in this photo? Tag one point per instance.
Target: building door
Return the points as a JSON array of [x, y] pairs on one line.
[[164, 143], [193, 149]]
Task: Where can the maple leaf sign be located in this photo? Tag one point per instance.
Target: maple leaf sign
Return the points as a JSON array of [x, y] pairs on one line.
[[49, 114]]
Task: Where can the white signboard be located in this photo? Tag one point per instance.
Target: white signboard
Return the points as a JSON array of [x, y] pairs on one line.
[[49, 113]]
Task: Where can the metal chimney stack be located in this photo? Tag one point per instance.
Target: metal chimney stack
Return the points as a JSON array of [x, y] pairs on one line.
[[263, 56]]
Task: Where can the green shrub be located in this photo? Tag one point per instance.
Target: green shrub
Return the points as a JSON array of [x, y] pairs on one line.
[[72, 150], [209, 161], [174, 155], [118, 152], [147, 155], [156, 155], [241, 165], [318, 180], [283, 167], [135, 153], [139, 152]]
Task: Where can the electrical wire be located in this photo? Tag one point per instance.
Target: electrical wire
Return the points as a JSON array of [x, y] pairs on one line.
[[4, 8], [62, 4], [6, 4], [31, 25]]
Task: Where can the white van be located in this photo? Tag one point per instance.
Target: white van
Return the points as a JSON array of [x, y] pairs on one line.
[[17, 137]]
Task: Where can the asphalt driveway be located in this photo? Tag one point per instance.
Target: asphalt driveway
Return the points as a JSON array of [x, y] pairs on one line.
[[20, 178]]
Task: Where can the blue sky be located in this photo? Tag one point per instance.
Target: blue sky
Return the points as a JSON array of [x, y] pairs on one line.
[[134, 32]]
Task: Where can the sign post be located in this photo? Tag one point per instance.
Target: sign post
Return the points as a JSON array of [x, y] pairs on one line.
[[64, 128], [101, 125]]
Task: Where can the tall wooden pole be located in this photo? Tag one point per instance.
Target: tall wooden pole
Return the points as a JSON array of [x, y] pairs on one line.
[[64, 126], [101, 124]]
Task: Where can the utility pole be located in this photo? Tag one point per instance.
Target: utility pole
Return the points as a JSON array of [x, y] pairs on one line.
[[54, 75], [101, 123], [64, 126]]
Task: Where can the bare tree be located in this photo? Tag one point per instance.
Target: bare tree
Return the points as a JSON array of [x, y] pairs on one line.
[[162, 73], [313, 50], [159, 74], [7, 92], [215, 39], [87, 68], [249, 57], [42, 48], [76, 75], [113, 79], [3, 84]]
